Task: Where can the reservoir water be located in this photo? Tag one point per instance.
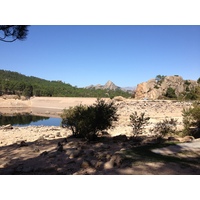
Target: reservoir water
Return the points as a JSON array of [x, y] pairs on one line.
[[29, 120]]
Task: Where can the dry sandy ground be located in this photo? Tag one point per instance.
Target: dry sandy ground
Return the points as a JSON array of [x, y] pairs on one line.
[[51, 150], [45, 150], [51, 106]]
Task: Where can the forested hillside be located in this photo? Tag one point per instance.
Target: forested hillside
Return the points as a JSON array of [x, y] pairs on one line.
[[18, 84]]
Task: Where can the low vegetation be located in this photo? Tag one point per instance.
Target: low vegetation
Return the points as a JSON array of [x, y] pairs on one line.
[[190, 92], [138, 122], [170, 93], [88, 121], [167, 126], [191, 119]]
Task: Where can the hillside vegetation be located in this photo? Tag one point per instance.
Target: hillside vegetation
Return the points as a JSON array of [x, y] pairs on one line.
[[14, 83]]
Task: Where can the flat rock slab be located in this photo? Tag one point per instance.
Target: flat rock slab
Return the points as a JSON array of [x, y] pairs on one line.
[[189, 146]]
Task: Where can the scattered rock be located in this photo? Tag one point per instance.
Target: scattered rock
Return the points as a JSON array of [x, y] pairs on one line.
[[23, 144], [173, 139], [187, 139], [118, 98], [108, 165], [36, 150], [52, 136], [58, 134], [5, 127], [104, 133]]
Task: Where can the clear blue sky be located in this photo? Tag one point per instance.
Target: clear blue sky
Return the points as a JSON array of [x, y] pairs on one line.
[[85, 55]]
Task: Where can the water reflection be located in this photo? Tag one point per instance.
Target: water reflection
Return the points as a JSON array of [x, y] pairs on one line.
[[27, 119]]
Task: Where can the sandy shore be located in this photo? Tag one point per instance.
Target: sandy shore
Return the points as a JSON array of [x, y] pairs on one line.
[[53, 107], [45, 106]]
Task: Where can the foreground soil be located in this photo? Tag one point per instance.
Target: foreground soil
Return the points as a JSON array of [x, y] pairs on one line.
[[52, 151]]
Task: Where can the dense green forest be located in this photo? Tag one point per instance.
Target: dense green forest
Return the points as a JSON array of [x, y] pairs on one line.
[[21, 85]]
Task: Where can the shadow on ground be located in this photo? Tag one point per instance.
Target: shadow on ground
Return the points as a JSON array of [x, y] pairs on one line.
[[106, 156]]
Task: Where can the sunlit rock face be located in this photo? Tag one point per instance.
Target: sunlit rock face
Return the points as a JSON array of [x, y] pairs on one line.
[[152, 89]]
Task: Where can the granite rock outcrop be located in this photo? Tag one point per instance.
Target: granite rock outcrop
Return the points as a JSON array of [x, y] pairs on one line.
[[154, 89]]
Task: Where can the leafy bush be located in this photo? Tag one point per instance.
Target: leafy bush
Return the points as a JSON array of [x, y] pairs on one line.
[[191, 95], [138, 122], [166, 126], [170, 93], [87, 121], [191, 117]]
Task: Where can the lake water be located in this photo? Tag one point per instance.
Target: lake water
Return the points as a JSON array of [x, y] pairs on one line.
[[51, 121], [29, 120]]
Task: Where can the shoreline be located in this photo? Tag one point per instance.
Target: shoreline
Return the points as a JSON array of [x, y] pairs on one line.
[[42, 106], [157, 110]]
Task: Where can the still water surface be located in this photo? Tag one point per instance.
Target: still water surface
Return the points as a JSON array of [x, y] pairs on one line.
[[29, 120]]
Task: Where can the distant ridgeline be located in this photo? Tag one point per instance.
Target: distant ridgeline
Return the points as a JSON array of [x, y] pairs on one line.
[[13, 83]]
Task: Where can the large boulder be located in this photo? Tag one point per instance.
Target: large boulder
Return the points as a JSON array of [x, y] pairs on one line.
[[153, 89]]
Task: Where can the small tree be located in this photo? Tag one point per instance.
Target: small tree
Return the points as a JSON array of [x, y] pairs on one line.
[[87, 121], [166, 126], [138, 122], [191, 117], [191, 95], [170, 93], [72, 118]]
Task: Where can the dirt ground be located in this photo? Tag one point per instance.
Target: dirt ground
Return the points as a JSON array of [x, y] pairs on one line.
[[51, 150]]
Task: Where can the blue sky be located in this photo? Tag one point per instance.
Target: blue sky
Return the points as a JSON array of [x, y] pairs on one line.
[[85, 55]]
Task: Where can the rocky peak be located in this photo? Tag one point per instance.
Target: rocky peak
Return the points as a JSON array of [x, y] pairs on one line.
[[110, 86]]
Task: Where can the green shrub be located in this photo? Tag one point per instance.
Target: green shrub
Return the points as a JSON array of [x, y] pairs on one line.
[[87, 121], [191, 95], [170, 93], [191, 117], [166, 126], [138, 122]]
